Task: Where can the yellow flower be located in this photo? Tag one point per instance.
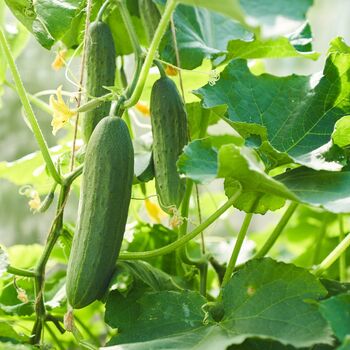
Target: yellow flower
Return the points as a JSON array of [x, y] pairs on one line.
[[22, 295], [154, 211], [35, 201], [171, 71], [143, 108], [61, 112], [59, 61]]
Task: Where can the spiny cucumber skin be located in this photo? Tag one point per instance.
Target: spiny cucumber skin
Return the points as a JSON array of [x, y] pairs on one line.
[[102, 214], [100, 66], [170, 135], [150, 17]]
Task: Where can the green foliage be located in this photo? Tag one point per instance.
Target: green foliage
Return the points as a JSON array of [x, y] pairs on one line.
[[248, 296], [285, 111]]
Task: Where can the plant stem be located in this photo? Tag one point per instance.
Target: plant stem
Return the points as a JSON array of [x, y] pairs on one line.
[[34, 99], [342, 258], [28, 109], [102, 10], [94, 103], [333, 256], [20, 272], [277, 231], [81, 79], [183, 240], [130, 29], [87, 330], [69, 178], [54, 337], [39, 281], [237, 248], [320, 238], [170, 7]]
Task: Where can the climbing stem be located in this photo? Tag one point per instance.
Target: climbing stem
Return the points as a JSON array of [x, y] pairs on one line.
[[184, 239], [237, 248], [28, 109], [20, 272], [342, 258], [332, 256], [130, 28], [39, 280], [277, 231], [163, 24], [319, 239]]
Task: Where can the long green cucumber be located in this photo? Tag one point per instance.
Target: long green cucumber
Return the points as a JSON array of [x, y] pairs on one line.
[[103, 211], [100, 68], [169, 128]]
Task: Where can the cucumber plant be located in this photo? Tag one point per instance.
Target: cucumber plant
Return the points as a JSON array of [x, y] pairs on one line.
[[184, 132]]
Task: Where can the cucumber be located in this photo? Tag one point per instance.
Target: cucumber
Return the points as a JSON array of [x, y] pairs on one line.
[[103, 211], [150, 17], [170, 135], [100, 71]]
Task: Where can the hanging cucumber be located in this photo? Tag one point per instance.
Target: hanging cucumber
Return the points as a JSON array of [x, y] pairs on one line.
[[100, 71], [103, 211], [169, 128]]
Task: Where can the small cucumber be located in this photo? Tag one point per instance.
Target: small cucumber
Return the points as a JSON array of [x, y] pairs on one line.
[[100, 71], [170, 135]]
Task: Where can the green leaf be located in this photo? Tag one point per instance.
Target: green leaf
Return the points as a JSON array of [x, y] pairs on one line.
[[152, 277], [30, 170], [265, 299], [148, 237], [341, 134], [197, 116], [269, 48], [327, 189], [47, 20], [267, 11], [273, 300], [199, 161], [7, 334], [335, 287], [4, 262], [243, 165], [175, 312], [115, 21], [290, 113], [199, 34], [231, 8], [336, 311]]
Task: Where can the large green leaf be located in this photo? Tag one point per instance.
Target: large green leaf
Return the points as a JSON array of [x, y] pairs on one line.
[[31, 170], [199, 34], [199, 160], [198, 117], [292, 114], [48, 20], [336, 311], [231, 8], [327, 189], [264, 299], [296, 45], [202, 161], [266, 11]]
